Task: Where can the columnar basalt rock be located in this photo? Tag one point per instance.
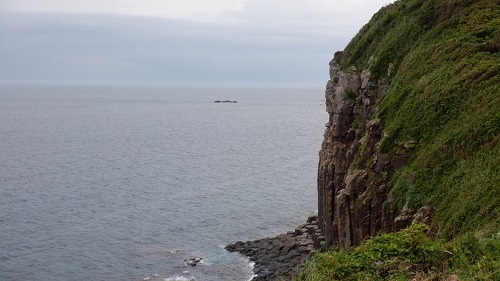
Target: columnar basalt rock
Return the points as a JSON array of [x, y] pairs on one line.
[[353, 175], [281, 256]]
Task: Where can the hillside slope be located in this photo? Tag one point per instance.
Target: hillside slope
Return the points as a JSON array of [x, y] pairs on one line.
[[414, 128]]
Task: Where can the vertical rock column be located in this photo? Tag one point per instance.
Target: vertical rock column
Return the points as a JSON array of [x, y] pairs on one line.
[[340, 98], [353, 174]]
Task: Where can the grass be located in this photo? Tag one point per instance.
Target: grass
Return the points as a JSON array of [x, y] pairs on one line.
[[450, 84]]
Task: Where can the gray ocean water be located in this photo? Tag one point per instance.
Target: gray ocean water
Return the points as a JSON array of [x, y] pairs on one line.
[[126, 183]]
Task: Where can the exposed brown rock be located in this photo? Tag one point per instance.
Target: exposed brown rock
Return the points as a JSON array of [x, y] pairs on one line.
[[353, 175], [453, 277]]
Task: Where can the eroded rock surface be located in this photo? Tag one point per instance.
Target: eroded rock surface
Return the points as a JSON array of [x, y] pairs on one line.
[[354, 202]]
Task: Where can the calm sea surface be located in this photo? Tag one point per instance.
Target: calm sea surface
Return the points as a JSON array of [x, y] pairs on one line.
[[126, 183]]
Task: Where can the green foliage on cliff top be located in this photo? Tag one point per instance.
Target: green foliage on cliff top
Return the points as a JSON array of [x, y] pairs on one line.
[[409, 254], [444, 95]]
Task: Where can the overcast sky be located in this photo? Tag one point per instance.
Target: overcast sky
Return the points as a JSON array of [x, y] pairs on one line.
[[176, 42]]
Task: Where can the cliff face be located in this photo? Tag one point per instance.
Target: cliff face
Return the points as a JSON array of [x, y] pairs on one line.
[[354, 200], [413, 123], [352, 173]]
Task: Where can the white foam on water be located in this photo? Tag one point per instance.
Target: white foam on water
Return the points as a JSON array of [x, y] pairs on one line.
[[178, 278], [250, 265]]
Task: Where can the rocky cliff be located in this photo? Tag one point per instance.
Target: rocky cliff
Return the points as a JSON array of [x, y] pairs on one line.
[[410, 107], [353, 174]]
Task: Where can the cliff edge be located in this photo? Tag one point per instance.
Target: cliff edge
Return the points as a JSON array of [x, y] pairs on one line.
[[414, 124]]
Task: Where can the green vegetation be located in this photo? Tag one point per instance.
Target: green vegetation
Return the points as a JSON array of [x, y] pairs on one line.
[[409, 254], [350, 95], [355, 124], [444, 102], [444, 95], [449, 81]]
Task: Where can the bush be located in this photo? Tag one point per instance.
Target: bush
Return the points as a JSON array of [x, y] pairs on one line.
[[406, 254]]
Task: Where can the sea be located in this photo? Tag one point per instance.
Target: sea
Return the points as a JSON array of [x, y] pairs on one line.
[[130, 182]]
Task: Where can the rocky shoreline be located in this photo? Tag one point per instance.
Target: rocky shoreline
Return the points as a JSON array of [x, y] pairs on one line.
[[283, 255]]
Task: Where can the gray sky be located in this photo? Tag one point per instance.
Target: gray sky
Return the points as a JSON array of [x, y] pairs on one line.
[[193, 42]]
